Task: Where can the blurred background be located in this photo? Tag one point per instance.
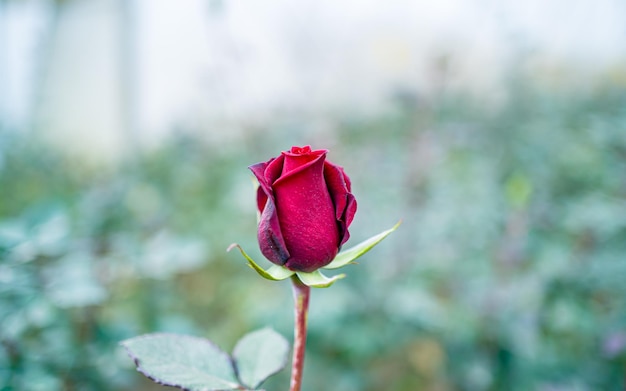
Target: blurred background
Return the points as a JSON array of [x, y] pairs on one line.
[[495, 129]]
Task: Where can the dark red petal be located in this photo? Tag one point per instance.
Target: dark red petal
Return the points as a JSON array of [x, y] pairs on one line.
[[264, 187], [266, 173], [348, 217], [347, 178], [261, 199], [307, 217], [350, 210], [335, 180], [345, 203], [259, 171], [270, 236], [299, 157], [300, 150], [294, 164], [274, 169]]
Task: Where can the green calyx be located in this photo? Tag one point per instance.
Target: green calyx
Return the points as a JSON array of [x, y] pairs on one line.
[[316, 279], [348, 256]]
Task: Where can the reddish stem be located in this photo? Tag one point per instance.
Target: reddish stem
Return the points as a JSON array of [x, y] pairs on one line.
[[301, 294]]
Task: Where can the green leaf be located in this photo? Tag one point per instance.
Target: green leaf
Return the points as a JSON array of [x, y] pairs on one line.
[[190, 363], [259, 355], [317, 280], [274, 273], [348, 256]]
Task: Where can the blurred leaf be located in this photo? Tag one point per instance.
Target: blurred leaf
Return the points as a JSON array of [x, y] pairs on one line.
[[165, 254], [72, 282], [12, 233], [518, 189], [259, 355]]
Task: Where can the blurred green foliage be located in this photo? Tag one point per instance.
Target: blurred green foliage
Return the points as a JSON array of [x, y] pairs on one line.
[[508, 272]]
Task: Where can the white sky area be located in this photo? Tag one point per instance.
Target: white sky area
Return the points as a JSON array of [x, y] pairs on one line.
[[84, 71]]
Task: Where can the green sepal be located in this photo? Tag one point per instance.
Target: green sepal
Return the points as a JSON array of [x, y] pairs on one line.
[[348, 256], [317, 280], [274, 273]]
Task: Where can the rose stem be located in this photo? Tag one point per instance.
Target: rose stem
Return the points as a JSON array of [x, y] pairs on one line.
[[301, 294]]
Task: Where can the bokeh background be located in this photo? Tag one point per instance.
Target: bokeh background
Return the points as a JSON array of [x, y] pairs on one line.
[[495, 129]]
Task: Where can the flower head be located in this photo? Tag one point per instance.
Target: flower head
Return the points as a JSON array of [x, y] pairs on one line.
[[306, 207]]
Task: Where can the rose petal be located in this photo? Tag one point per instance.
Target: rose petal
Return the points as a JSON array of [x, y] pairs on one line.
[[307, 217], [335, 180], [261, 199], [264, 187], [300, 159], [345, 203], [350, 210], [274, 169], [270, 236], [348, 217], [347, 178]]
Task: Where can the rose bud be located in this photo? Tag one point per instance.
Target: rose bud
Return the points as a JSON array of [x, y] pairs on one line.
[[306, 208]]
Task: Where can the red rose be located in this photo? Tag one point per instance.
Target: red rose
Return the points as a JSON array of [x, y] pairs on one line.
[[306, 208]]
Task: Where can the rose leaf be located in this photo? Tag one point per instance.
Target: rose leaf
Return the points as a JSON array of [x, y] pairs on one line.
[[182, 361], [259, 355]]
